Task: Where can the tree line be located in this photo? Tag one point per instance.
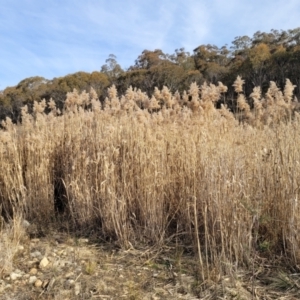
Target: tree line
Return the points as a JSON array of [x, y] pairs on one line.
[[264, 57]]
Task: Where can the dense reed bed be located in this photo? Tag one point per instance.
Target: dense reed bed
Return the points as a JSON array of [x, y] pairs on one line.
[[170, 168]]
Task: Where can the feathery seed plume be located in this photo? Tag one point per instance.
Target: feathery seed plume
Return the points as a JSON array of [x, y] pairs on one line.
[[238, 84]]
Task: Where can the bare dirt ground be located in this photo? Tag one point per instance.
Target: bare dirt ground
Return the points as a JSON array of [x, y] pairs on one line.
[[59, 266]]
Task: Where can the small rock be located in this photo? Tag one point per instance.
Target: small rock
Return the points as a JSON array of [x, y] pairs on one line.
[[83, 240], [35, 240], [36, 254], [32, 279], [15, 276], [38, 283], [25, 224], [44, 263], [77, 288], [33, 271], [23, 282], [68, 275], [21, 248], [69, 283]]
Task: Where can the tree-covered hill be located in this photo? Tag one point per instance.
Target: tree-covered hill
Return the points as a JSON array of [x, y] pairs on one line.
[[264, 57]]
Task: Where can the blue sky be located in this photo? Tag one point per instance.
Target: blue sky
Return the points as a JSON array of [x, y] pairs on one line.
[[53, 38]]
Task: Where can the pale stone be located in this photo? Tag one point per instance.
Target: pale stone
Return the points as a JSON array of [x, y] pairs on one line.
[[32, 279], [68, 275], [33, 271], [35, 240], [83, 240], [25, 224], [44, 262], [69, 283], [36, 254], [38, 283], [77, 288], [15, 276]]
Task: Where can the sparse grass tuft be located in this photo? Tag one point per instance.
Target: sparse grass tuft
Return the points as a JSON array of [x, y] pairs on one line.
[[11, 236]]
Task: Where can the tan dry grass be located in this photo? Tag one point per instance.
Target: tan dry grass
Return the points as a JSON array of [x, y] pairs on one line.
[[12, 235], [177, 169]]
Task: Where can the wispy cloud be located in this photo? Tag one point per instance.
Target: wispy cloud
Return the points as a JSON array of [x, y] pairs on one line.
[[52, 38], [195, 24]]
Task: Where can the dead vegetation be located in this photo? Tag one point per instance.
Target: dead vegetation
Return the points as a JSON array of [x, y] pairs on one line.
[[165, 170]]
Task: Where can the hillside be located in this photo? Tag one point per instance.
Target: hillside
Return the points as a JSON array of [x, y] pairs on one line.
[[264, 57]]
